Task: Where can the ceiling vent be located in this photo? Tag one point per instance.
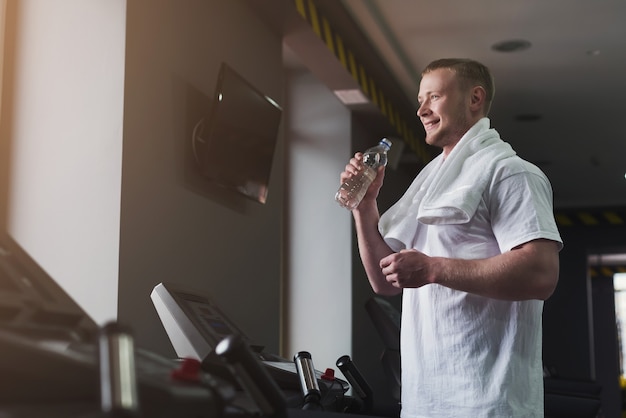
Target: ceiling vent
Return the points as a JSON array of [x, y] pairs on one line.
[[513, 45]]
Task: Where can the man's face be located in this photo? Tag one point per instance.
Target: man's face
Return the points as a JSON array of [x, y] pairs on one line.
[[444, 109]]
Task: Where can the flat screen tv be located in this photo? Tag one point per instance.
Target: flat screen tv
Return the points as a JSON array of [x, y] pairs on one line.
[[235, 148]]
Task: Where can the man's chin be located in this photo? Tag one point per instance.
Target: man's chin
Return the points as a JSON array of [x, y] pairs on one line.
[[431, 139]]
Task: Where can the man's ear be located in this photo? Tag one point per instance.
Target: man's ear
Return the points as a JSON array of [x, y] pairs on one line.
[[478, 98]]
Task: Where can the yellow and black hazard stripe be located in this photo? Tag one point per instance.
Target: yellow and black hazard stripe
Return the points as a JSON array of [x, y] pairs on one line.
[[333, 39], [591, 217], [605, 271]]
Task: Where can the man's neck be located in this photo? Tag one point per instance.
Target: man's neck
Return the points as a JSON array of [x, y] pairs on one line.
[[448, 148]]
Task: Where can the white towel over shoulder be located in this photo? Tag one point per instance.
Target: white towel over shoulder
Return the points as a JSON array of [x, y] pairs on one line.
[[448, 191]]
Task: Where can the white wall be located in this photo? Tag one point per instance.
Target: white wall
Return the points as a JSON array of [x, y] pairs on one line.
[[319, 235], [66, 136]]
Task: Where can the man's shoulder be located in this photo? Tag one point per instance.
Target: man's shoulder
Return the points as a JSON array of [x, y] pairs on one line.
[[516, 165]]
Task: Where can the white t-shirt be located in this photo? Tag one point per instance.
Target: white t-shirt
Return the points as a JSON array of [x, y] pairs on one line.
[[464, 355]]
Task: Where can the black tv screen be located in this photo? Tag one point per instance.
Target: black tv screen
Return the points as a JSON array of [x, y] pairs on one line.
[[239, 136]]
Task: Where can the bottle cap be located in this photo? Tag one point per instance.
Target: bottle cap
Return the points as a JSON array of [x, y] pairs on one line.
[[385, 142]]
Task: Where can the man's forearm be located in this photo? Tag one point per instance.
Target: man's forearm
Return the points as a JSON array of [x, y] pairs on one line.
[[372, 248], [528, 272]]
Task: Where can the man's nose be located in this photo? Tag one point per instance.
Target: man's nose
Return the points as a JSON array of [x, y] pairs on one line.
[[422, 110]]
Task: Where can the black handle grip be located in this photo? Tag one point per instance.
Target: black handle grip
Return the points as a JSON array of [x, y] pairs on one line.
[[362, 389], [252, 376]]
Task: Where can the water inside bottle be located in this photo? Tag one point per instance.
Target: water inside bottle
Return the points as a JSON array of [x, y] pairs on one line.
[[352, 190]]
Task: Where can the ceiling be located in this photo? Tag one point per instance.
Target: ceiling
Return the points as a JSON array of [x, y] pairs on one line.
[[561, 102]]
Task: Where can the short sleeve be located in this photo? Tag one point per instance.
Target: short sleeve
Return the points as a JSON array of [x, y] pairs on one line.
[[521, 206]]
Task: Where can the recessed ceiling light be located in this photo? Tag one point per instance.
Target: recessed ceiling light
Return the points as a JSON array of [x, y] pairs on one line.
[[513, 45]]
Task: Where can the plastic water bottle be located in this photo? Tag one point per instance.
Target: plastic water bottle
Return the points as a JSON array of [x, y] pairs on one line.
[[352, 190]]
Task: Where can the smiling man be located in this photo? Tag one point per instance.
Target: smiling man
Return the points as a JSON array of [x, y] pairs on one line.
[[473, 248]]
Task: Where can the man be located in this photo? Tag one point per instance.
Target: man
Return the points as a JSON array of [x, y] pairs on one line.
[[473, 247]]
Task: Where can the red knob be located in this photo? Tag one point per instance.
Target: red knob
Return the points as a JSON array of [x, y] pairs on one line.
[[329, 374], [188, 371]]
